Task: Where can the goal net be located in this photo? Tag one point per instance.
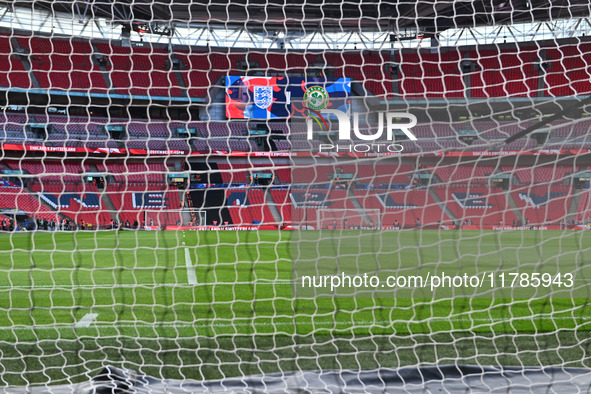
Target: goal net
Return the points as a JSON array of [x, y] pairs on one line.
[[262, 141], [349, 219], [174, 218]]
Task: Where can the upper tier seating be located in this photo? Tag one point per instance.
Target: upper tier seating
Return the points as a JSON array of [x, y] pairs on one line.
[[71, 64]]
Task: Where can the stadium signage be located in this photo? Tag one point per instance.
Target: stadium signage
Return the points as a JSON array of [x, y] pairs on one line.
[[392, 128], [51, 148], [166, 152]]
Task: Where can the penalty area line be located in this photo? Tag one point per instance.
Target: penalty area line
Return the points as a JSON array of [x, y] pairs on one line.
[[191, 276]]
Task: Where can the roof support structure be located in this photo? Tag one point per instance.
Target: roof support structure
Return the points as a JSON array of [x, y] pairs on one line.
[[77, 24]]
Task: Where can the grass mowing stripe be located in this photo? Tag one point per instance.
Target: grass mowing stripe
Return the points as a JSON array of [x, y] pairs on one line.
[[241, 318]]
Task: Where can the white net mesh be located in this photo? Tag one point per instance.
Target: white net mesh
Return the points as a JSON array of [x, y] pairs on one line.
[[354, 219], [172, 219], [463, 148]]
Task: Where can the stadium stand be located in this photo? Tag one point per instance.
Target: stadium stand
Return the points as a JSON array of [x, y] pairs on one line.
[[543, 204], [498, 72], [19, 199], [74, 65], [63, 64]]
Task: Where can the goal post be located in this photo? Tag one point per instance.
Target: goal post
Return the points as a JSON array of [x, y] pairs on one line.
[[348, 219], [171, 218], [416, 116]]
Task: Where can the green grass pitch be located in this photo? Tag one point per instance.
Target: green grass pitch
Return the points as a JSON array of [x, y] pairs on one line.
[[241, 317]]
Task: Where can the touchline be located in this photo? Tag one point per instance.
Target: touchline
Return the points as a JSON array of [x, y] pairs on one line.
[[391, 125]]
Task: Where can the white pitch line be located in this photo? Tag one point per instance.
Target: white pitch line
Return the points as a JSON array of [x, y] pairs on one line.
[[86, 320], [269, 282], [190, 269], [294, 323], [259, 282]]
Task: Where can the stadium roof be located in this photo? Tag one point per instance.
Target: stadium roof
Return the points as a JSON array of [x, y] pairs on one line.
[[424, 16]]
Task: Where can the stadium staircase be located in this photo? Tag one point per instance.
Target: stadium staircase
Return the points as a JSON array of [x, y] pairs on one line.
[[179, 78], [104, 72], [514, 207], [273, 207], [441, 204], [467, 80], [353, 199], [110, 206], [540, 78], [573, 208], [106, 200], [186, 215], [25, 60]]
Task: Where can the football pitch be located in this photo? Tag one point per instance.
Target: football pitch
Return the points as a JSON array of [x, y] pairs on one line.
[[218, 303]]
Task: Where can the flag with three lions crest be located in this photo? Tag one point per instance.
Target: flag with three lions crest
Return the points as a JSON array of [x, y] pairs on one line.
[[263, 96], [258, 97]]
